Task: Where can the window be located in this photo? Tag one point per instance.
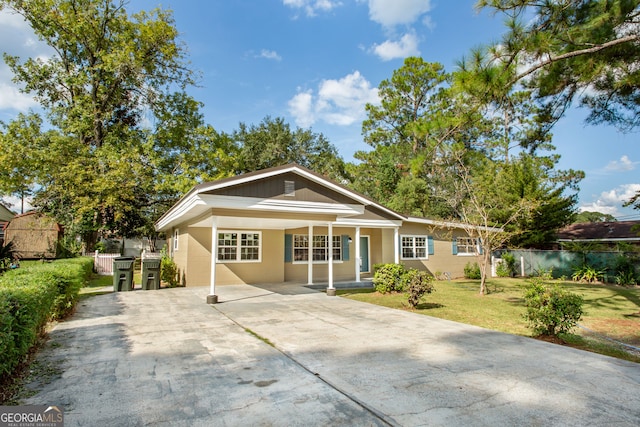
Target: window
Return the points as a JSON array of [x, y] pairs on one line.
[[414, 247], [175, 239], [467, 246], [234, 246], [319, 248]]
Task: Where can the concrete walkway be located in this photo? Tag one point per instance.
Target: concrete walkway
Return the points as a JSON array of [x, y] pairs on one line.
[[283, 355]]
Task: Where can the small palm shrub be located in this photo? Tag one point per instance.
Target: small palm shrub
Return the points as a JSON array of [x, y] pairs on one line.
[[169, 270], [587, 273], [625, 271], [550, 309]]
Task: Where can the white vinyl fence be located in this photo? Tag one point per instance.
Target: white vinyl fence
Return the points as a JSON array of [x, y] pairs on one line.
[[103, 263]]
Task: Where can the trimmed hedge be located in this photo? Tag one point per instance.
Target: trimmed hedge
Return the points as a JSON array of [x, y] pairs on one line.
[[30, 297]]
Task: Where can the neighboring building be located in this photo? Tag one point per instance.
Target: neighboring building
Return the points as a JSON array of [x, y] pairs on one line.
[[34, 235], [606, 233], [5, 216], [289, 224]]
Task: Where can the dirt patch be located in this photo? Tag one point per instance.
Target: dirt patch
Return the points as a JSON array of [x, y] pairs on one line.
[[623, 330]]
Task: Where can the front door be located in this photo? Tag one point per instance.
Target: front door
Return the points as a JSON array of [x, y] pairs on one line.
[[364, 254]]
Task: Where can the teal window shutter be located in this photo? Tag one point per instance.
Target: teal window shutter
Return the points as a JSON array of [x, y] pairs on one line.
[[454, 246], [430, 245], [480, 250], [345, 247], [288, 248]]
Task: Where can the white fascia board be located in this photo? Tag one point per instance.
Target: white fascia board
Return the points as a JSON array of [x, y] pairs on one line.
[[187, 208], [279, 205], [367, 223], [448, 224]]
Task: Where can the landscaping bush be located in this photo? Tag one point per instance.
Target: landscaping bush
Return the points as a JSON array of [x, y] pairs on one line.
[[472, 271], [389, 278], [587, 273], [30, 297], [507, 268], [417, 284], [625, 271], [169, 270], [551, 310]]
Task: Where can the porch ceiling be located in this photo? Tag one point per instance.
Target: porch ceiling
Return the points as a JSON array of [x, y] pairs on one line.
[[255, 223]]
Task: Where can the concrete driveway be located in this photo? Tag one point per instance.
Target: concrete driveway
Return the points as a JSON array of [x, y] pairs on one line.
[[283, 355]]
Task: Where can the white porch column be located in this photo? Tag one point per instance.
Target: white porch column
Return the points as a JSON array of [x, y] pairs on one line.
[[331, 291], [396, 245], [212, 298], [310, 256], [358, 254]]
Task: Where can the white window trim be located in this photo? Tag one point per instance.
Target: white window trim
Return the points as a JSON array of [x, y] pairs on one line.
[[305, 262], [239, 247], [413, 236], [476, 246], [176, 236]]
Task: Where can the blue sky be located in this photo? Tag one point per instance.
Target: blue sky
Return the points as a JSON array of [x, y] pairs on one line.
[[318, 62]]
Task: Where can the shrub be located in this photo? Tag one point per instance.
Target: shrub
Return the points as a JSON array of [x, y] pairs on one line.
[[30, 297], [551, 310], [169, 270], [507, 268], [587, 273], [472, 271], [389, 278], [625, 271], [6, 255], [417, 284]]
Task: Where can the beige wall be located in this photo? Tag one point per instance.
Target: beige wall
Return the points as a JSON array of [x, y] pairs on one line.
[[193, 256], [442, 260]]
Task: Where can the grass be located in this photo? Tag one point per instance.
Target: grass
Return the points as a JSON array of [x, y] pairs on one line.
[[611, 312]]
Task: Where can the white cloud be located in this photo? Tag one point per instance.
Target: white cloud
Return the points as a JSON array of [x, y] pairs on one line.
[[17, 38], [390, 13], [610, 201], [406, 46], [269, 54], [311, 7], [15, 203], [338, 102], [623, 165], [12, 99]]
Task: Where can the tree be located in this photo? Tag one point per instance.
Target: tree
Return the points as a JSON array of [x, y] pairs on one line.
[[273, 143], [587, 216], [18, 146], [110, 74], [586, 49]]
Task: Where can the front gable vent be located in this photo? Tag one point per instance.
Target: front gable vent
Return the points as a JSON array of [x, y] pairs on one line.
[[290, 188]]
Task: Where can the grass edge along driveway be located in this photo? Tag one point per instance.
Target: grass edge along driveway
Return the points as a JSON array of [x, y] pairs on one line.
[[611, 312]]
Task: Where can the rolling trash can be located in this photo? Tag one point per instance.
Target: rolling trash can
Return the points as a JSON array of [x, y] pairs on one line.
[[123, 274], [150, 274]]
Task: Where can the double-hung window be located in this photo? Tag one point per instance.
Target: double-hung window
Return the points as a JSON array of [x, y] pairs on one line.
[[239, 246], [319, 248], [467, 246], [414, 247]]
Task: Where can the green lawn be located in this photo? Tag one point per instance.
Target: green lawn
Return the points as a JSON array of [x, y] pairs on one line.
[[610, 311]]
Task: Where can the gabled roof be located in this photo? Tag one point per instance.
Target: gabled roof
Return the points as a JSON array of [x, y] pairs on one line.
[[198, 200], [601, 231]]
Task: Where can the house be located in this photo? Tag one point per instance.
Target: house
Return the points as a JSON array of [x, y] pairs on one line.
[[289, 224], [34, 235], [609, 234], [5, 216]]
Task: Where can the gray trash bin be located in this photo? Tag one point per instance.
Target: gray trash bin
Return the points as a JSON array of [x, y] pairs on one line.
[[150, 274], [123, 274]]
